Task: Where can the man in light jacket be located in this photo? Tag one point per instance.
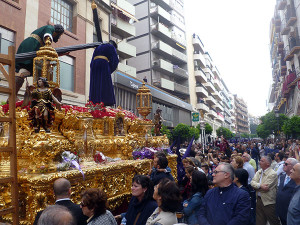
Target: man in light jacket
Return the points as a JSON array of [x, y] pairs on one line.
[[265, 183]]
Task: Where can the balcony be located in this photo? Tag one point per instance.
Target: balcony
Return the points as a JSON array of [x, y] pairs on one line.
[[200, 75], [197, 43], [161, 15], [219, 107], [167, 84], [208, 71], [180, 73], [201, 92], [176, 21], [177, 38], [162, 49], [199, 58], [292, 48], [203, 107], [161, 31], [277, 22], [124, 5], [284, 28], [126, 50], [179, 56], [281, 4], [212, 114], [217, 96], [177, 7], [209, 86], [220, 117], [163, 66], [181, 89], [165, 4], [217, 84], [121, 27], [290, 16], [210, 100], [227, 111], [123, 68]]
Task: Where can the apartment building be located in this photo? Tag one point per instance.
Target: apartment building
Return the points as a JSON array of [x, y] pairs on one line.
[[241, 116], [284, 94], [208, 92], [161, 56]]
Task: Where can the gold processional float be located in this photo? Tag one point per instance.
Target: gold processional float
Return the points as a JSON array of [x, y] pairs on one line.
[[84, 146]]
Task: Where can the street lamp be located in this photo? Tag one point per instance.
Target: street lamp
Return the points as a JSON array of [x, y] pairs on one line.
[[277, 118]]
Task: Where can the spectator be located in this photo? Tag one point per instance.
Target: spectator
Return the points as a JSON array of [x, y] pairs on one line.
[[56, 215], [205, 168], [160, 163], [232, 203], [279, 159], [191, 207], [246, 158], [142, 204], [293, 216], [237, 162], [286, 188], [254, 153], [62, 192], [152, 169], [93, 205], [265, 183], [167, 196], [241, 180], [274, 163], [186, 190]]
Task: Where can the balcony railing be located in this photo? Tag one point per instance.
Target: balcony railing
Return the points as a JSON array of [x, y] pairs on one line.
[[281, 4], [181, 89], [284, 28], [179, 72], [290, 15]]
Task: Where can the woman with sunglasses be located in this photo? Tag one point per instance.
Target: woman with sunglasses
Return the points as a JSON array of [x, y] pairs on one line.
[[94, 206]]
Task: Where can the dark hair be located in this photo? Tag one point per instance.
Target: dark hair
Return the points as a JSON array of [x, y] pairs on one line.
[[170, 195], [271, 155], [45, 81], [95, 198], [190, 169], [281, 155], [242, 176], [205, 166], [162, 162], [59, 29], [159, 153], [145, 182], [199, 182], [113, 43]]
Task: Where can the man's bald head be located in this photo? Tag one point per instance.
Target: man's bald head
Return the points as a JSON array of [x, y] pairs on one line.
[[61, 188]]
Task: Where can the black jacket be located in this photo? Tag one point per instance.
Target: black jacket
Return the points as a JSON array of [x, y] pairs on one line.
[[74, 209]]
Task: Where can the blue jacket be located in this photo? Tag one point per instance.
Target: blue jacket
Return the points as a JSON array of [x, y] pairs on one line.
[[193, 208], [293, 216], [284, 196], [225, 206]]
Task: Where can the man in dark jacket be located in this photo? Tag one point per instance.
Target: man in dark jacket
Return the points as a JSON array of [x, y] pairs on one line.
[[160, 163], [285, 191], [62, 192], [226, 204]]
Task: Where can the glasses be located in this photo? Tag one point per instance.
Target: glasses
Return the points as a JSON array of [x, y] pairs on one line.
[[216, 172], [82, 204], [286, 164]]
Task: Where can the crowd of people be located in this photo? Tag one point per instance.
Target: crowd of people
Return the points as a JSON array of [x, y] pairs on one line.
[[224, 183]]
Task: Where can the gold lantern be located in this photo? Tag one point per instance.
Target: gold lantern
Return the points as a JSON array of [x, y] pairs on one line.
[[46, 64], [144, 101]]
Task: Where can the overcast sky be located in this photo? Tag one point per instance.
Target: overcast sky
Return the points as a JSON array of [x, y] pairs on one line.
[[236, 35]]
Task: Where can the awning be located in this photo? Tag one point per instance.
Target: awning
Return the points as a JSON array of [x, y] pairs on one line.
[[125, 12]]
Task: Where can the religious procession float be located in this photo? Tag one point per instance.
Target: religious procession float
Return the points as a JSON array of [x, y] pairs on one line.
[[92, 146]]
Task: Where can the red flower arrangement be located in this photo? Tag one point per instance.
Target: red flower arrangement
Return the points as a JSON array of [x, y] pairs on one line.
[[5, 107]]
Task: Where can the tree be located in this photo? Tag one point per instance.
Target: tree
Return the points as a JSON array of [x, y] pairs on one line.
[[183, 131], [227, 134], [262, 132], [270, 124], [194, 132], [208, 128], [164, 130], [291, 127]]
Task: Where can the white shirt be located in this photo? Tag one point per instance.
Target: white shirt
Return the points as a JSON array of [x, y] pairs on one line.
[[250, 171], [279, 168]]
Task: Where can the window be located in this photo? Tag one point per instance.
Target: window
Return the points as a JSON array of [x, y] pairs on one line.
[[6, 39], [66, 73], [62, 13]]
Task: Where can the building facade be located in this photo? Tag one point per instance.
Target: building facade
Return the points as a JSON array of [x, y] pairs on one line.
[[118, 22], [284, 94], [208, 92], [241, 116]]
